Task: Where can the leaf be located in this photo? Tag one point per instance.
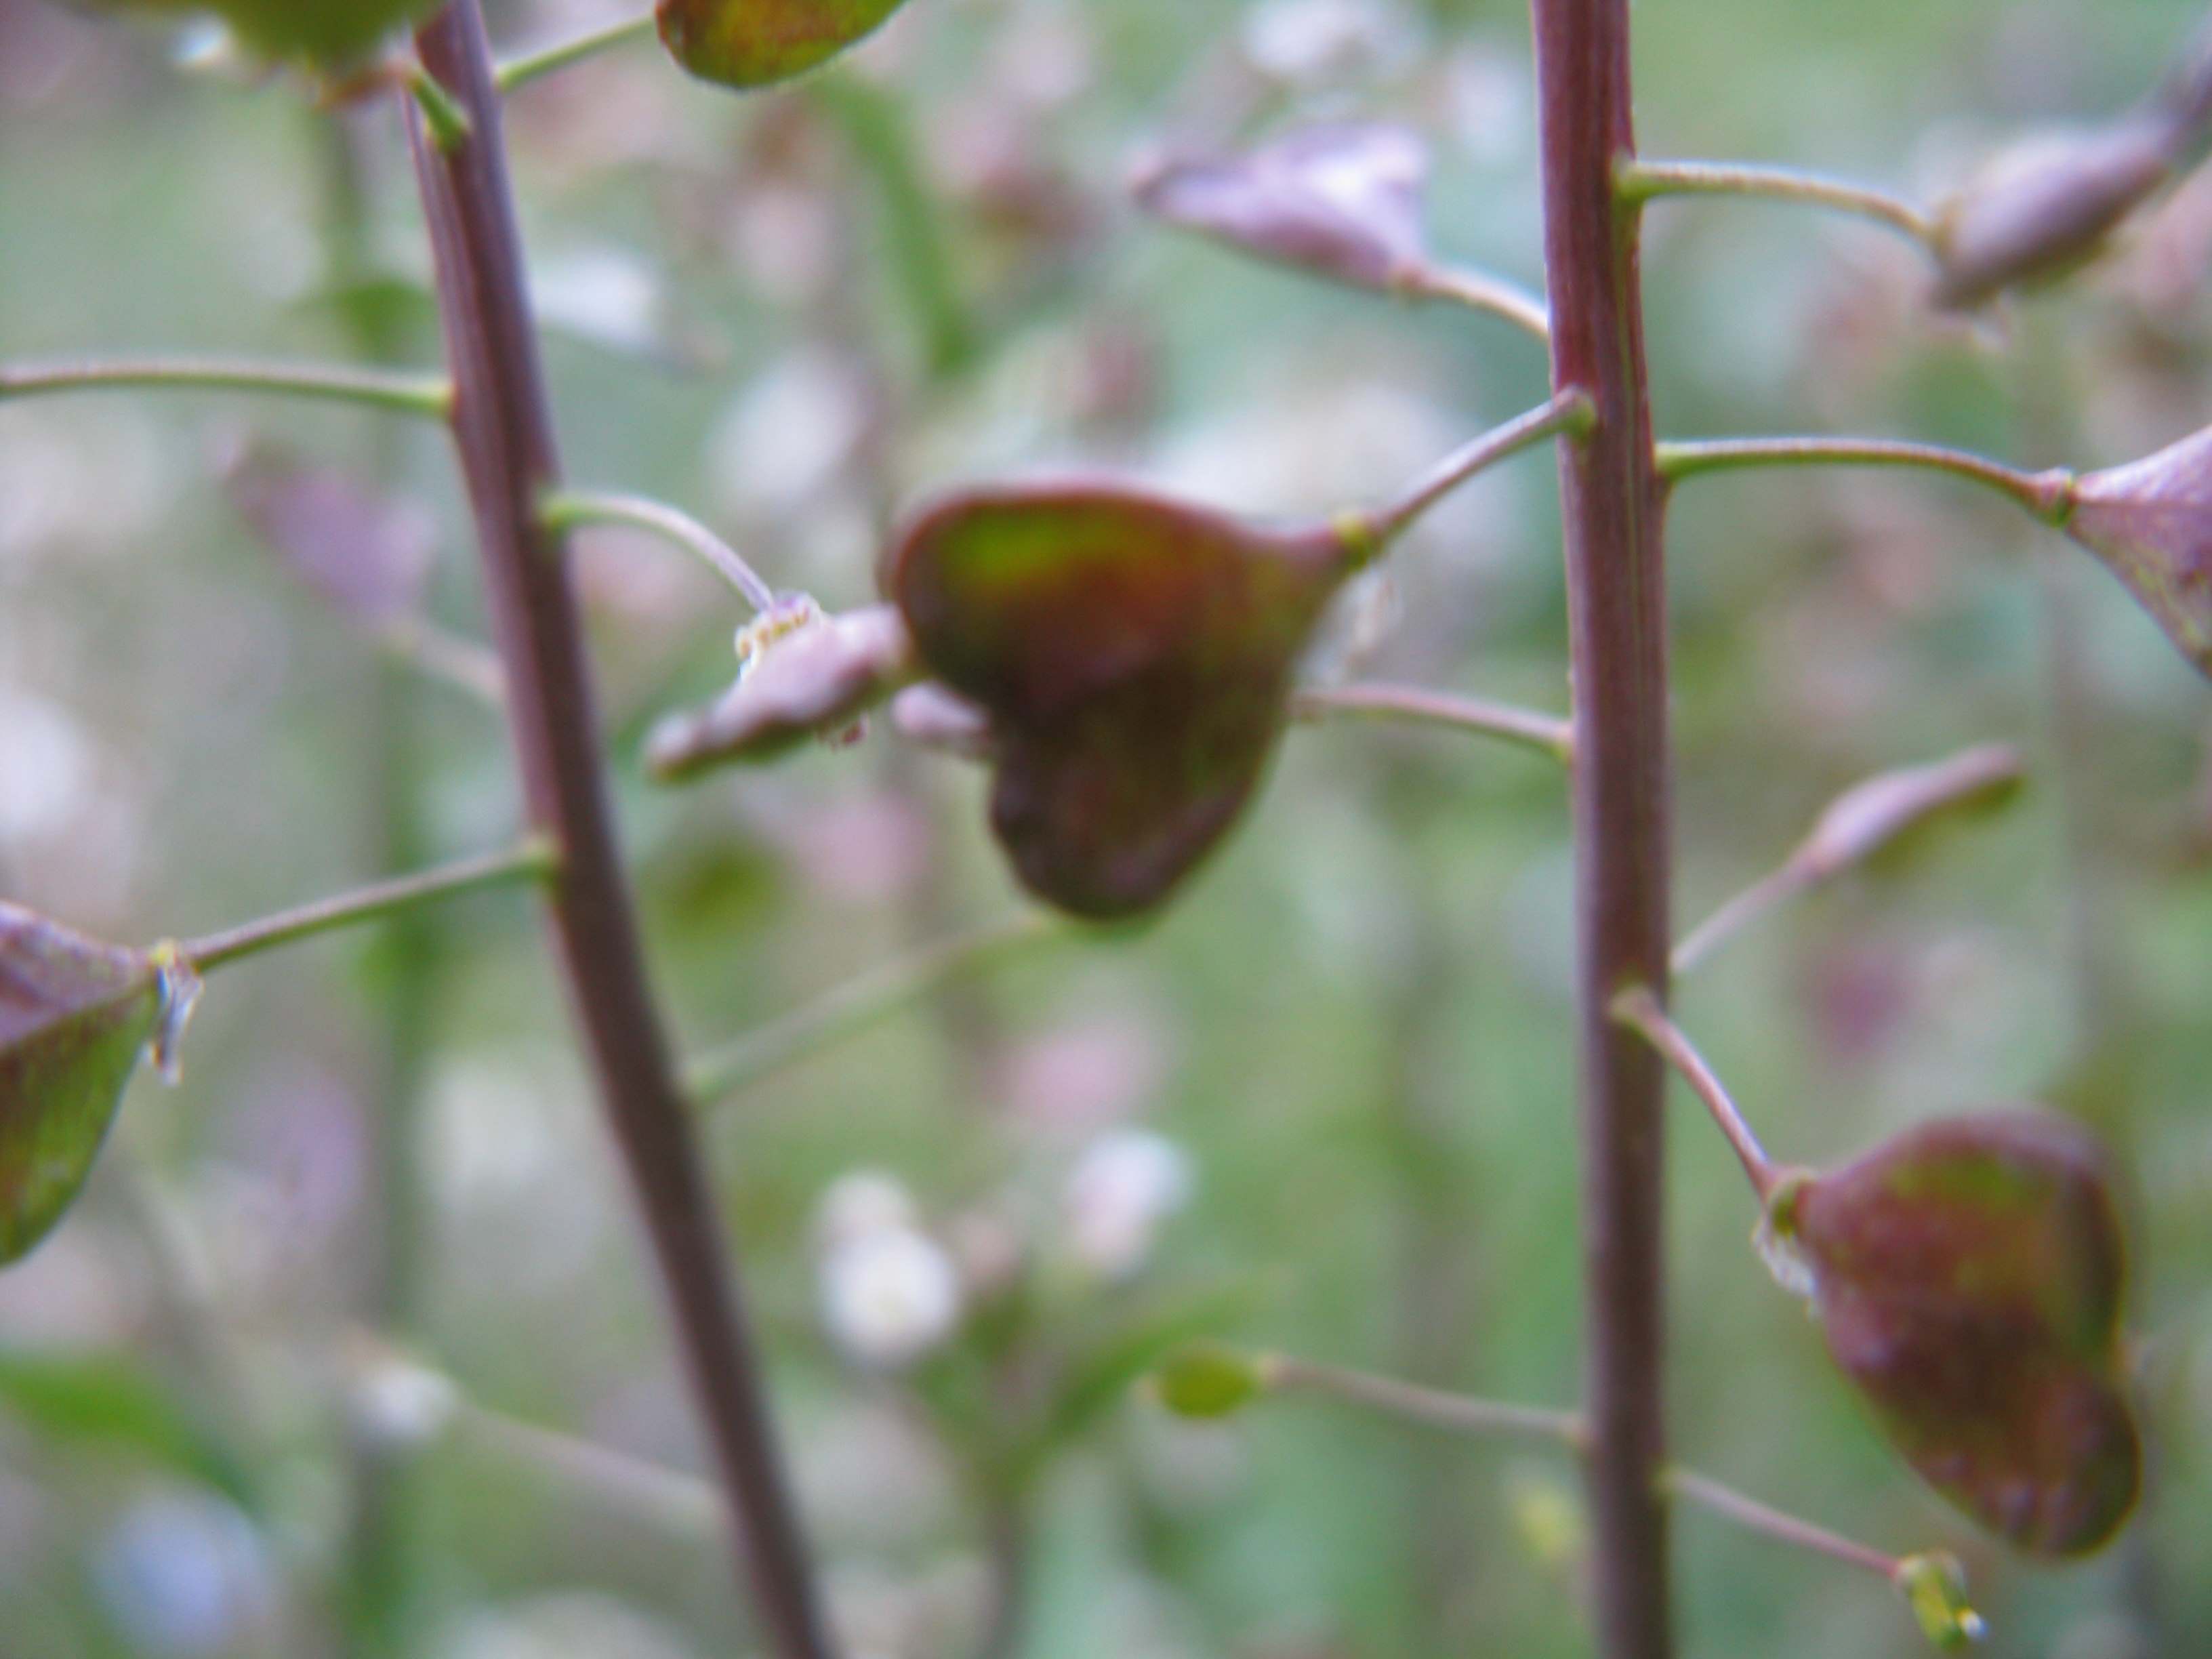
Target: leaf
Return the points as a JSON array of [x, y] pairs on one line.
[[757, 43], [368, 553], [2150, 524], [1133, 654], [75, 1016], [327, 34], [1968, 1274], [113, 1400], [1342, 201]]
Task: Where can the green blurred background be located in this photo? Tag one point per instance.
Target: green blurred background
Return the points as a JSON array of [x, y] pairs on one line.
[[793, 313]]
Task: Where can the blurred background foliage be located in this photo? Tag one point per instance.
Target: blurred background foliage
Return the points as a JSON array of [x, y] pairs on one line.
[[1325, 1105]]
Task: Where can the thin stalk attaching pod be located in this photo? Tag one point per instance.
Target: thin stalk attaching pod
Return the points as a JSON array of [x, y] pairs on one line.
[[1548, 735], [853, 1007], [1434, 1408], [430, 396], [525, 67], [1640, 181], [1479, 290], [1860, 826], [563, 510], [535, 860], [1569, 413], [2048, 494], [1641, 1011]]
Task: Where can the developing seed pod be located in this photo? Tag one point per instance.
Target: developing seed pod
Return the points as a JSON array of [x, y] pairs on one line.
[[75, 1016], [324, 34], [1133, 656], [1968, 1275], [757, 43], [802, 675], [2150, 524], [2044, 209], [1206, 1380], [1341, 202]]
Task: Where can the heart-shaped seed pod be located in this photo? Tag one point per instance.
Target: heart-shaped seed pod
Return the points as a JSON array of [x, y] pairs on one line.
[[1343, 201], [2150, 524], [804, 675], [1968, 1275], [757, 43], [324, 34], [75, 1016], [1132, 655]]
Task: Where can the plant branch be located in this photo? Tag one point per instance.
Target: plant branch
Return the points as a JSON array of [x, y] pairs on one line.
[[534, 860], [1568, 412], [527, 66], [1646, 181], [853, 1007], [430, 396], [1532, 729], [570, 509], [1479, 290], [1639, 1011], [1774, 889], [2049, 496], [1611, 516], [1771, 1523], [503, 427]]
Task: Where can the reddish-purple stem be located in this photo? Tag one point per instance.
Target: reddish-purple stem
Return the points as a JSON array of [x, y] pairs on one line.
[[1611, 498], [503, 426]]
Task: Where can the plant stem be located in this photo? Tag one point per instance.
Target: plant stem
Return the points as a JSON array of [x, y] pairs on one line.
[[431, 396], [2049, 496], [1755, 1516], [533, 861], [503, 426], [1776, 887], [1430, 1407], [1479, 290], [1645, 181], [1546, 733], [568, 509], [738, 1064], [1638, 1010], [1568, 411], [525, 67], [1612, 504]]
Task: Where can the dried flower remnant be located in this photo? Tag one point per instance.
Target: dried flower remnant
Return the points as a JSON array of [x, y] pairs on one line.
[[1133, 654], [1342, 201], [802, 675], [1968, 1274], [2150, 524], [757, 43], [75, 1015], [1934, 1585]]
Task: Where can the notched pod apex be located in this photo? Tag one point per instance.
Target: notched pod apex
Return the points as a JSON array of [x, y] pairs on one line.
[[75, 1016], [2150, 524], [1342, 201], [1968, 1274], [757, 43], [1132, 655]]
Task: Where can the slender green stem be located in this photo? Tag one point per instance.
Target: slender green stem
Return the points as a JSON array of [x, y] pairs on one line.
[[428, 395], [525, 67], [445, 120], [2049, 496], [566, 509], [1547, 733], [1430, 1407], [1639, 181], [1479, 290], [853, 1007], [1569, 412], [1638, 1010], [1763, 1518], [675, 1502], [1771, 890], [531, 861]]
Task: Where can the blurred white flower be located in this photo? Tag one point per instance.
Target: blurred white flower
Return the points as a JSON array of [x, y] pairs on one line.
[[396, 1403], [890, 1292], [186, 1573], [1122, 1189]]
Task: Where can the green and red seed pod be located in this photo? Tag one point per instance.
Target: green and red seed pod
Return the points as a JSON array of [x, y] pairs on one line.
[[757, 43]]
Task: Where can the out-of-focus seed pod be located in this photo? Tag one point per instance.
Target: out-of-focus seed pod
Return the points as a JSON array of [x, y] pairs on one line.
[[1341, 202], [2150, 524], [1873, 820], [324, 34], [2042, 209], [1934, 1585], [75, 1016], [757, 43], [1968, 1274], [1208, 1380], [803, 676], [1132, 655]]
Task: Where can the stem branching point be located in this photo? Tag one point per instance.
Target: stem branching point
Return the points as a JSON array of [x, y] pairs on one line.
[[568, 509]]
